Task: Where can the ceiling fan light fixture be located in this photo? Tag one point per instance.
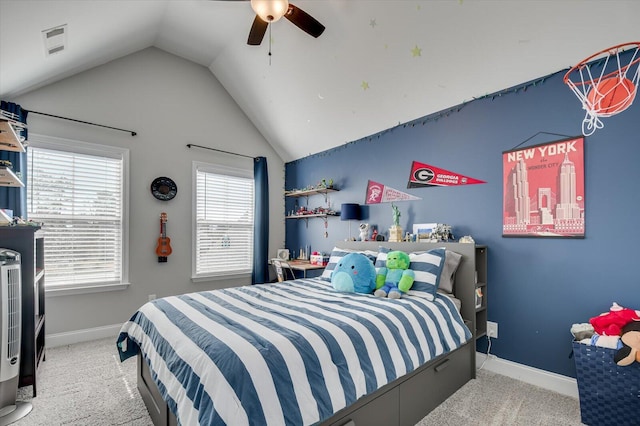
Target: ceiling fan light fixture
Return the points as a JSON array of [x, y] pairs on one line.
[[270, 10]]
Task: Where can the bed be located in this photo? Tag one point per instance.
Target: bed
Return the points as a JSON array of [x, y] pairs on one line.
[[300, 353]]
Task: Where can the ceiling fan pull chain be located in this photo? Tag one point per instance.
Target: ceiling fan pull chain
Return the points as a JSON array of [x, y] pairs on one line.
[[270, 44]]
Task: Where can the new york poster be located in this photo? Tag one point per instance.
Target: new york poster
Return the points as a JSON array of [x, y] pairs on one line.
[[543, 192]]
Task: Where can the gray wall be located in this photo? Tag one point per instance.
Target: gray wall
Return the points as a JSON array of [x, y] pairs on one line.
[[170, 102]]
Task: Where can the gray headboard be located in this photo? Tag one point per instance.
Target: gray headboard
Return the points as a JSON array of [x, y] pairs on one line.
[[465, 283]]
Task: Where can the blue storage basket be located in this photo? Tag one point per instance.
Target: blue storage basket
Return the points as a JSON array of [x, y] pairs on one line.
[[609, 394]]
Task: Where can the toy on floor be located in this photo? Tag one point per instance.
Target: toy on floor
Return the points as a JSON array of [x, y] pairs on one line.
[[354, 274], [395, 278]]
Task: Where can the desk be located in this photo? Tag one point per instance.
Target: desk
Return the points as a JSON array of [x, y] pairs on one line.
[[304, 266]]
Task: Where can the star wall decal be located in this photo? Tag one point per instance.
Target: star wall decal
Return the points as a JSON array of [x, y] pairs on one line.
[[373, 23], [364, 85], [416, 51]]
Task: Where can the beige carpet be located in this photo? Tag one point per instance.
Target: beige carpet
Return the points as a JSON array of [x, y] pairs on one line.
[[495, 400], [85, 384]]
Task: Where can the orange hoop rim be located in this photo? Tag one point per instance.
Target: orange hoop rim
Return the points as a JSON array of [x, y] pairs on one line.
[[610, 51]]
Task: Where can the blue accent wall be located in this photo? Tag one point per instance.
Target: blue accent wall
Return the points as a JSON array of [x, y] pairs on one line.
[[537, 287]]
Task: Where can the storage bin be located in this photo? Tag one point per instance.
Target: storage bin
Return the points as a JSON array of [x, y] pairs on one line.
[[609, 394]]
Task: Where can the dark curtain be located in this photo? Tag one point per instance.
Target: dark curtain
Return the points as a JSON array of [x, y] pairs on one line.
[[15, 198], [261, 222]]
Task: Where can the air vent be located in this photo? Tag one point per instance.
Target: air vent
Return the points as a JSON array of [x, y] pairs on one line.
[[55, 39]]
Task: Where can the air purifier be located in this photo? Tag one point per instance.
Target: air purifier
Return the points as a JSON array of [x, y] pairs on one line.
[[10, 337]]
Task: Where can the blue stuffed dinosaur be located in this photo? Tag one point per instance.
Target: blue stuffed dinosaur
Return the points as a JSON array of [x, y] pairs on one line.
[[354, 273], [395, 278]]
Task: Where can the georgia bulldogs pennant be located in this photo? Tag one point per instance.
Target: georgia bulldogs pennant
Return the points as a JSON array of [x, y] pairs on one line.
[[424, 175], [378, 193]]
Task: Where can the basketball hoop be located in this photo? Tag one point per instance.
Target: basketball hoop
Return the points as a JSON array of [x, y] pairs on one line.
[[606, 93]]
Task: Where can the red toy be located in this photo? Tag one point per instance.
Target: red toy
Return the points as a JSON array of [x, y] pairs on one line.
[[611, 323]]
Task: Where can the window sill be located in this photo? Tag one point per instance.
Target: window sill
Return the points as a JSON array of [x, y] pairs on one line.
[[96, 288], [200, 279]]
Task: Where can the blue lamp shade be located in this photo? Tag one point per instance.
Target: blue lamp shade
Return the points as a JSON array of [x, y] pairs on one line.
[[350, 211]]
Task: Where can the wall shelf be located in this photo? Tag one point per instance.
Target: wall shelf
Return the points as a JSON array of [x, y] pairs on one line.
[[8, 178], [307, 192], [9, 138]]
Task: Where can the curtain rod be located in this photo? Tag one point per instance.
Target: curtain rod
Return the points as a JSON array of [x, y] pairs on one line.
[[189, 145], [80, 121]]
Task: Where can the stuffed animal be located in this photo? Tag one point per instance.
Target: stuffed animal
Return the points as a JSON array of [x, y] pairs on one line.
[[364, 231], [630, 350], [611, 323], [354, 273], [396, 277]]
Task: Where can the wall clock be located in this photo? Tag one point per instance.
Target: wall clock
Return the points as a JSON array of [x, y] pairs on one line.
[[164, 188]]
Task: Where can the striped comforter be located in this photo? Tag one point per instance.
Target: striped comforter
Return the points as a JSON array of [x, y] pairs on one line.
[[289, 353]]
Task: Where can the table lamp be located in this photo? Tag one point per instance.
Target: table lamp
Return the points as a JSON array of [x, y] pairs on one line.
[[350, 211]]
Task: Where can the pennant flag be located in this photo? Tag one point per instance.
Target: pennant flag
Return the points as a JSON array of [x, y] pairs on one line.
[[378, 193], [423, 175]]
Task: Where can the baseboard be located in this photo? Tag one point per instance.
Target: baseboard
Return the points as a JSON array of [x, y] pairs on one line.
[[545, 379], [79, 336]]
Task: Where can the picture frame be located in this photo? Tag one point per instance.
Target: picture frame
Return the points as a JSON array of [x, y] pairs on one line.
[[543, 190], [422, 231]]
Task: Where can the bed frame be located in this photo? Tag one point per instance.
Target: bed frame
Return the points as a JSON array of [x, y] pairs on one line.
[[408, 399]]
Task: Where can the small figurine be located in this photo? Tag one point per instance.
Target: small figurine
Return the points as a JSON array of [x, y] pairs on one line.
[[396, 214], [374, 235], [364, 232]]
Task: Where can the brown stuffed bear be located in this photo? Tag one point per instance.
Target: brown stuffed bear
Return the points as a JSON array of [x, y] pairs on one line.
[[630, 350]]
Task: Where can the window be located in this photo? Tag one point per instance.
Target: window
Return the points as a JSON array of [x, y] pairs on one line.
[[223, 225], [78, 191]]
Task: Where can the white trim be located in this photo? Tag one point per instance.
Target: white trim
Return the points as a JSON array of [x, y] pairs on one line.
[[545, 379], [84, 289], [86, 335]]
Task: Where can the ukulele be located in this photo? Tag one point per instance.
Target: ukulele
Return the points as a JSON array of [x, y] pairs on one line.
[[164, 243]]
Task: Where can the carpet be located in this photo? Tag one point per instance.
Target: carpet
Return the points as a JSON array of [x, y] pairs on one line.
[[495, 400], [85, 384]]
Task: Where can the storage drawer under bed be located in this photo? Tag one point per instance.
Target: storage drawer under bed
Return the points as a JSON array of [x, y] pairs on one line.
[[423, 390]]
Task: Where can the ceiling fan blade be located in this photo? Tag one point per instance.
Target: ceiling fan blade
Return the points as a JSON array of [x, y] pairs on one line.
[[304, 21], [258, 29]]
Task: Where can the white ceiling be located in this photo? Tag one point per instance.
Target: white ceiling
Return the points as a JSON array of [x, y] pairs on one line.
[[379, 63]]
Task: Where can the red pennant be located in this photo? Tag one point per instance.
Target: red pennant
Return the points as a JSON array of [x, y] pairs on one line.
[[424, 175]]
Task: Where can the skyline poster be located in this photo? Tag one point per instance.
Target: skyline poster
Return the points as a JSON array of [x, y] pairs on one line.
[[543, 190]]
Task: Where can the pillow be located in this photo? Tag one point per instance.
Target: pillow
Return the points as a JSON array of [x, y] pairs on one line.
[[381, 258], [447, 277], [336, 256], [427, 266]]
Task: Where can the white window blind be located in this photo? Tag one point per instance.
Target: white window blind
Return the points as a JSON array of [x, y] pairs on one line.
[[224, 221], [79, 199]]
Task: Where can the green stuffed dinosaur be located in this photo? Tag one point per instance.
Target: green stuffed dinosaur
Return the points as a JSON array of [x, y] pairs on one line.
[[395, 278]]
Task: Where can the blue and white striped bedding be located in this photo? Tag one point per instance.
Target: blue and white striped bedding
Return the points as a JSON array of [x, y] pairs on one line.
[[289, 353]]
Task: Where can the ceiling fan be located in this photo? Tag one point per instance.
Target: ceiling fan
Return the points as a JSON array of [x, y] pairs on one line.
[[269, 11]]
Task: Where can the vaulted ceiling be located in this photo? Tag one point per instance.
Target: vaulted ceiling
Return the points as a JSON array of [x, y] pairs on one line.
[[378, 63]]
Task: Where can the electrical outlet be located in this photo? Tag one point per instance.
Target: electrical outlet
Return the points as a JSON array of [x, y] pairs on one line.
[[492, 329], [151, 297]]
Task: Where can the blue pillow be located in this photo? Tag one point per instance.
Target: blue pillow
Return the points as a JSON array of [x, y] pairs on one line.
[[427, 266], [381, 258]]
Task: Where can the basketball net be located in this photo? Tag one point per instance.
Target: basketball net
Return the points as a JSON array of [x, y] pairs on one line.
[[604, 95]]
